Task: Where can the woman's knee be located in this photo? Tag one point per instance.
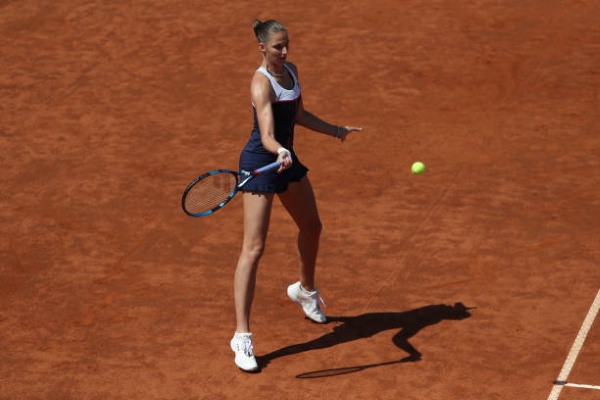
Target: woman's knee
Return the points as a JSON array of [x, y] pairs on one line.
[[313, 229], [254, 251]]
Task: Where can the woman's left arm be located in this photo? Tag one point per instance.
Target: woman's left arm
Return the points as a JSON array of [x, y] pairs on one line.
[[309, 120], [312, 122]]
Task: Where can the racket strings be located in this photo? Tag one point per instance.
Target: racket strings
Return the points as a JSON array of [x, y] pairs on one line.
[[209, 192]]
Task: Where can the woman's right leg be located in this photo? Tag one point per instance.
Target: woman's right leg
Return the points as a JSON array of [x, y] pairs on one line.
[[257, 212]]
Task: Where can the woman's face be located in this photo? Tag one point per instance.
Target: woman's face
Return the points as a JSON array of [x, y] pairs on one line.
[[276, 49]]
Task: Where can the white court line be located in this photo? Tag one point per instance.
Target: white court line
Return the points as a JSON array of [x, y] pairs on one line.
[[578, 385], [575, 349]]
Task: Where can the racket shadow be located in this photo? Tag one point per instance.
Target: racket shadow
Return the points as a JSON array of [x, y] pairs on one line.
[[324, 373], [366, 325]]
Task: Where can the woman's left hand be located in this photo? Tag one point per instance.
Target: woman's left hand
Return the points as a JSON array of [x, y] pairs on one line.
[[343, 131]]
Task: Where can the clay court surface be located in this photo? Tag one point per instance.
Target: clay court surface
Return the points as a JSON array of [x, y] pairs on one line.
[[109, 291]]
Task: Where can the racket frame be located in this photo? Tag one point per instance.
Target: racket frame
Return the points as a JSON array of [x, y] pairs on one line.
[[246, 176]]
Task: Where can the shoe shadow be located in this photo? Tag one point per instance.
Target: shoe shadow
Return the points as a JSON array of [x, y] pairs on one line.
[[366, 325]]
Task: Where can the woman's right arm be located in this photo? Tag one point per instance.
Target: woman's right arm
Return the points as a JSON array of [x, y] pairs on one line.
[[262, 94]]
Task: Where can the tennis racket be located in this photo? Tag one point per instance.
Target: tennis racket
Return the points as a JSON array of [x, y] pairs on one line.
[[213, 190]]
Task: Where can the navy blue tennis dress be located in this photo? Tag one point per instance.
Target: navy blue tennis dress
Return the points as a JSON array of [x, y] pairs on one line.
[[254, 155]]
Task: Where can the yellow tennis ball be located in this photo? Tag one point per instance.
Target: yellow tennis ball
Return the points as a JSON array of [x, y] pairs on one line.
[[418, 168]]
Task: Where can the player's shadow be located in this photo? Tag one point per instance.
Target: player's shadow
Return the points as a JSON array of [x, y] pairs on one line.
[[367, 325]]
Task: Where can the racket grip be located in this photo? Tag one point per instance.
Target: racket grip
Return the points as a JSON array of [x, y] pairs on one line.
[[269, 167]]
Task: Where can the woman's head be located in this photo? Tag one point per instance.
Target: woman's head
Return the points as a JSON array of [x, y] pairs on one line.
[[264, 30], [273, 42]]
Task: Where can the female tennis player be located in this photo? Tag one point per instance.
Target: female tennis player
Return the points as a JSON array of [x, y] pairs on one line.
[[277, 103]]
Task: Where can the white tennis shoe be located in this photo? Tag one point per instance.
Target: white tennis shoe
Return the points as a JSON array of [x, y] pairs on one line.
[[309, 302], [241, 344]]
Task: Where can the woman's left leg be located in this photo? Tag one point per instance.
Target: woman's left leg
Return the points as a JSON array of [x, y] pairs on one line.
[[299, 201]]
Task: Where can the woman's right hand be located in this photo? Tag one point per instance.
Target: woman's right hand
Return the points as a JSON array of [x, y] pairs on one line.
[[285, 158]]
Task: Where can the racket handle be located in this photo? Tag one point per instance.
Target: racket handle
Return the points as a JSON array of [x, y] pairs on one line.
[[269, 167]]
